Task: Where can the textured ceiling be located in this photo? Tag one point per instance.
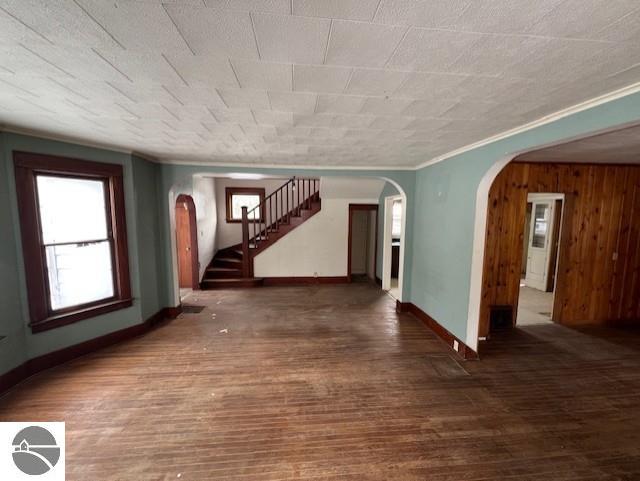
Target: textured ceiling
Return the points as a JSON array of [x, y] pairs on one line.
[[306, 82], [617, 147]]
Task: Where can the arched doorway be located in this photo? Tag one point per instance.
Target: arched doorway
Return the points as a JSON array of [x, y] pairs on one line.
[[187, 242]]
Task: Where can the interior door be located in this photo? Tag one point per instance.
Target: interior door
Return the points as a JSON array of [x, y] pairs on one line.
[[538, 251], [183, 237]]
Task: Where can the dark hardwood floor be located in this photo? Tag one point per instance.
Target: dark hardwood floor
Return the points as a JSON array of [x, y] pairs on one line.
[[329, 383]]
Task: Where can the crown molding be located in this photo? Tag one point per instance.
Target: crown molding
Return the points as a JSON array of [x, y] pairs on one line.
[[62, 138], [245, 165]]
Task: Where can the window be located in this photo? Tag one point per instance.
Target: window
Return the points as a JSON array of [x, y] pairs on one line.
[[239, 197], [74, 238], [396, 218], [541, 225]]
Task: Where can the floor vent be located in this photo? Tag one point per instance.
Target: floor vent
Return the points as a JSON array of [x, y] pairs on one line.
[[191, 309], [500, 317]]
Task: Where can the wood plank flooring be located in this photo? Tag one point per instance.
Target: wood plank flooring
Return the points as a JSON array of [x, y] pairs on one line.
[[329, 383]]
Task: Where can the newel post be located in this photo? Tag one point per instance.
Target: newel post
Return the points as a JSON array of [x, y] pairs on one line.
[[245, 244]]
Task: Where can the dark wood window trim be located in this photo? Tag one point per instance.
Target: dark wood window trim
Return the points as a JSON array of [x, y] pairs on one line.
[[230, 191], [27, 167]]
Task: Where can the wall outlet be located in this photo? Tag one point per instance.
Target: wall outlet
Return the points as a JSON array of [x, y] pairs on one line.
[[455, 345]]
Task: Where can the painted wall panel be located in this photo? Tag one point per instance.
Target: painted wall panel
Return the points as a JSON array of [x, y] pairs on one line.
[[146, 178], [12, 321]]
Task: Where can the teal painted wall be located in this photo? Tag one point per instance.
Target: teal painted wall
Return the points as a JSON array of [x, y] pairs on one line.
[[388, 190], [13, 347], [445, 202], [146, 178], [145, 253]]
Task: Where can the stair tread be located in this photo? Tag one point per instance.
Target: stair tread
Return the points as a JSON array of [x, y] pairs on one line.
[[234, 279], [218, 268]]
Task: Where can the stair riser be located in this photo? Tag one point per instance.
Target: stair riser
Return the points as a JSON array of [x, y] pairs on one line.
[[231, 284], [234, 274], [233, 253], [227, 263]]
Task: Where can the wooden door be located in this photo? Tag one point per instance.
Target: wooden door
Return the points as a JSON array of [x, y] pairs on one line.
[[186, 242]]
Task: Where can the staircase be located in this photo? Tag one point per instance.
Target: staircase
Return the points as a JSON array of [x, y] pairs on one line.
[[278, 214]]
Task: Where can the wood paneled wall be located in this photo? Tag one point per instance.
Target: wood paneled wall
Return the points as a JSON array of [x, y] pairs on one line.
[[599, 254]]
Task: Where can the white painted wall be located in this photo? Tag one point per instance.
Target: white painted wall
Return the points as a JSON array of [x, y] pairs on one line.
[[230, 233], [351, 188], [317, 247], [204, 198]]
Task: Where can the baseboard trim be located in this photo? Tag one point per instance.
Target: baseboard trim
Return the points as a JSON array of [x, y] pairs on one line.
[[465, 351], [52, 359], [293, 281]]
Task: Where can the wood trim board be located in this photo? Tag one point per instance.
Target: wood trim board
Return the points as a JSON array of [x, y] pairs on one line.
[[292, 281], [439, 330]]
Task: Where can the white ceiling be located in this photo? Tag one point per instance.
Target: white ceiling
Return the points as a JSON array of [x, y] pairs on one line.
[[616, 147], [306, 82]]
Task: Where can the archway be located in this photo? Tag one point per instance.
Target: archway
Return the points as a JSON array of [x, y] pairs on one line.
[[182, 182]]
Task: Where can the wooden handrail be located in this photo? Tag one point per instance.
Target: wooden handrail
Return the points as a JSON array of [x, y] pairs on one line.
[[277, 208]]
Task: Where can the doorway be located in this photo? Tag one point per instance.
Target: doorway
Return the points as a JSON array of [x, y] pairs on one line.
[[392, 251], [540, 258], [363, 242], [187, 243]]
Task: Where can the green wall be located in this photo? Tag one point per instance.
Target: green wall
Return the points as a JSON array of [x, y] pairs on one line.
[[145, 253], [445, 205], [13, 347], [146, 177]]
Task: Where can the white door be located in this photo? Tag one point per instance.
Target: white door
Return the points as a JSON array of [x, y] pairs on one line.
[[539, 244]]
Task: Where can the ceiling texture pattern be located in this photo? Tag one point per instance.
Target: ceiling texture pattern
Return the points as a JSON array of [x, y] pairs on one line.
[[306, 82]]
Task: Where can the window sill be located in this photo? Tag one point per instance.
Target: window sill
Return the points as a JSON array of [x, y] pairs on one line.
[[79, 315]]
